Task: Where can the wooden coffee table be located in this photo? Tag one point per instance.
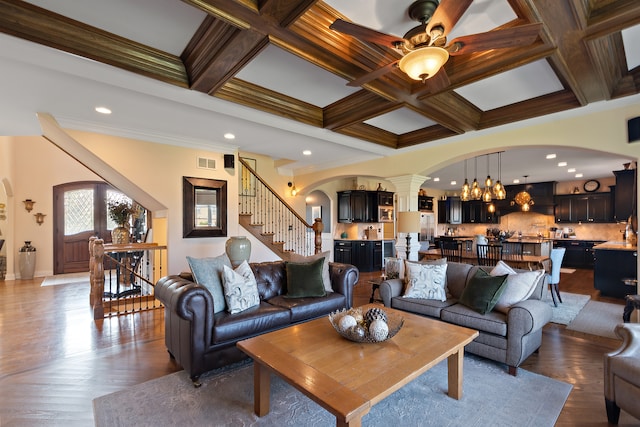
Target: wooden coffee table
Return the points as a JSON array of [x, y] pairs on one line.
[[348, 378]]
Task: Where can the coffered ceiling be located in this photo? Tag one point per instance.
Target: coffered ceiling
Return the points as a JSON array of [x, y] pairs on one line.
[[273, 71]]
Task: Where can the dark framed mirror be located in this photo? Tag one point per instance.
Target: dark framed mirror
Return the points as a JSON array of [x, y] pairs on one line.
[[204, 207]]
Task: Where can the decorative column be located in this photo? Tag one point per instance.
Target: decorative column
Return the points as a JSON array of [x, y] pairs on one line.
[[406, 191]]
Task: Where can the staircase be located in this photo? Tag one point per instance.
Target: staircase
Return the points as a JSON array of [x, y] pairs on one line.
[[265, 215]]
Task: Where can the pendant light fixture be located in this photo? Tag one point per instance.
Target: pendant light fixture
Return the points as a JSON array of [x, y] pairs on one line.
[[523, 198], [488, 183], [465, 192], [498, 189], [476, 191]]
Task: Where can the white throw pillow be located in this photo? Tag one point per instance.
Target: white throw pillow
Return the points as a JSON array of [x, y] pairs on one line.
[[240, 288], [426, 281], [519, 287]]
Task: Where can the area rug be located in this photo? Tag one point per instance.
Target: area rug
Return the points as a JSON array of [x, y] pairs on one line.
[[64, 279], [566, 311], [598, 318], [490, 397]]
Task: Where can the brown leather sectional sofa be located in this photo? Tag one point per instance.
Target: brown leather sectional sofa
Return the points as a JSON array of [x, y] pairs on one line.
[[201, 341]]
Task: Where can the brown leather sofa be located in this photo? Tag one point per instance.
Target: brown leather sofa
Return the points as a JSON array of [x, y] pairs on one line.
[[201, 341]]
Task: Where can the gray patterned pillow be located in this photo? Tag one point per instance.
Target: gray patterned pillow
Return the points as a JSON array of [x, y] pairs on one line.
[[426, 281], [240, 288]]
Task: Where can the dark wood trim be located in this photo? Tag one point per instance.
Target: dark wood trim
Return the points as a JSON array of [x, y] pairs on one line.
[[189, 187]]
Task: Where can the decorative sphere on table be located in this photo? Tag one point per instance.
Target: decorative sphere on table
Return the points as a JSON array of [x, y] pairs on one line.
[[347, 321], [378, 330], [375, 314], [358, 332], [357, 314]]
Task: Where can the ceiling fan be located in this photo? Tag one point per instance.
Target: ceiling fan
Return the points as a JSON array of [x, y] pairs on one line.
[[425, 49]]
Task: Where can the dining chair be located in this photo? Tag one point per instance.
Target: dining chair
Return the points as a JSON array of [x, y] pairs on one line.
[[489, 254], [556, 256], [512, 250], [451, 249]]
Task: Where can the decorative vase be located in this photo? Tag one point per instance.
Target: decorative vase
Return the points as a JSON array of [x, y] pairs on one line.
[[238, 249], [120, 235], [27, 261]]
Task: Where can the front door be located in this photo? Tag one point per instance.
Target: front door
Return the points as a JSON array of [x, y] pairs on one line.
[[79, 212]]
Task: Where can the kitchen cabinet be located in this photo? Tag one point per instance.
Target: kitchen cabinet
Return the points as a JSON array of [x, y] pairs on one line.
[[425, 203], [366, 255], [579, 253], [611, 267], [476, 211], [624, 194], [584, 208], [362, 206], [450, 211], [541, 192]]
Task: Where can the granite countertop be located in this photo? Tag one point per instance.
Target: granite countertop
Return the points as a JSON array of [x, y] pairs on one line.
[[616, 246]]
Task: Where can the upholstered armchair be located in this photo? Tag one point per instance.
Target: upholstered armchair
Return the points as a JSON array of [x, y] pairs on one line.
[[622, 374]]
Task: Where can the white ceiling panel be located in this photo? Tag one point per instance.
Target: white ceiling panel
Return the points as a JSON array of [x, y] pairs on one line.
[[400, 121], [520, 84], [299, 79], [630, 39], [482, 16], [167, 25]]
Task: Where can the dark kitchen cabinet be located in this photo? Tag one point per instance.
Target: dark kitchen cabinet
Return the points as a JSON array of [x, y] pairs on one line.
[[584, 208], [353, 206], [425, 203], [611, 267], [366, 255], [579, 253], [624, 194], [477, 211], [384, 198], [450, 211]]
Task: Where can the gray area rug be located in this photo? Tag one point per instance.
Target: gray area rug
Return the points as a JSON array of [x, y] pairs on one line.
[[566, 311], [490, 397], [64, 279], [598, 318]]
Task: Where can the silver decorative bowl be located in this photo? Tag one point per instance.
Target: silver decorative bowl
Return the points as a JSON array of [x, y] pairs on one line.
[[393, 322]]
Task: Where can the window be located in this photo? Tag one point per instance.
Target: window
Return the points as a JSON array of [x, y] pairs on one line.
[[204, 207]]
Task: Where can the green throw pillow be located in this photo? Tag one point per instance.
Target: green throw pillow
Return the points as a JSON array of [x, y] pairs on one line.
[[208, 273], [304, 279], [483, 291]]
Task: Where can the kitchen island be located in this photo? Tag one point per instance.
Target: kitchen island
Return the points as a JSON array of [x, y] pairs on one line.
[[615, 265]]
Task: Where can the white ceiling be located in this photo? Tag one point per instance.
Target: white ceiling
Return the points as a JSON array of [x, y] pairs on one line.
[[37, 78]]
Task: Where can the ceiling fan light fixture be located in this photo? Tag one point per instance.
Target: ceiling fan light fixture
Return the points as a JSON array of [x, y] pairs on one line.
[[423, 63]]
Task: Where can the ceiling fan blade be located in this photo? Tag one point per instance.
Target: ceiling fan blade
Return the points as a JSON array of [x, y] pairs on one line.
[[373, 75], [447, 14], [522, 35], [365, 34], [439, 82]]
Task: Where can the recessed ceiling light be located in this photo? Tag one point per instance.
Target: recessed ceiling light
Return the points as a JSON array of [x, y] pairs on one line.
[[103, 110], [578, 175], [229, 135], [307, 152], [562, 164], [454, 183], [436, 179], [516, 181], [551, 156], [571, 170]]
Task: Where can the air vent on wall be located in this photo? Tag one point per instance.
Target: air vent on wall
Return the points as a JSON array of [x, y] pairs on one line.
[[204, 163]]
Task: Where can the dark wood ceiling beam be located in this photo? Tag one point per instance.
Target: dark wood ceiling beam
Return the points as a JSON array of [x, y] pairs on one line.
[[24, 20], [607, 17], [259, 98], [420, 136], [371, 134], [542, 105], [356, 108]]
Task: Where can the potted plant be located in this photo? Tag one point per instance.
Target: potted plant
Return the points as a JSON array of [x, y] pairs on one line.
[[119, 212]]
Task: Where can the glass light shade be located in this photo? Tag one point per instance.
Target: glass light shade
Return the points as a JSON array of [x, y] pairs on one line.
[[522, 198], [423, 63], [476, 191], [491, 208], [499, 191], [488, 182], [465, 196], [486, 195], [525, 207]]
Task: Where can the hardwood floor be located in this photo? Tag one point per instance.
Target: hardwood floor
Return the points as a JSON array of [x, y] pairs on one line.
[[54, 359]]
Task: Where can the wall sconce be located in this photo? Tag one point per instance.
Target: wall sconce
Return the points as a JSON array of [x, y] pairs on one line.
[[293, 188], [39, 218], [28, 204]]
